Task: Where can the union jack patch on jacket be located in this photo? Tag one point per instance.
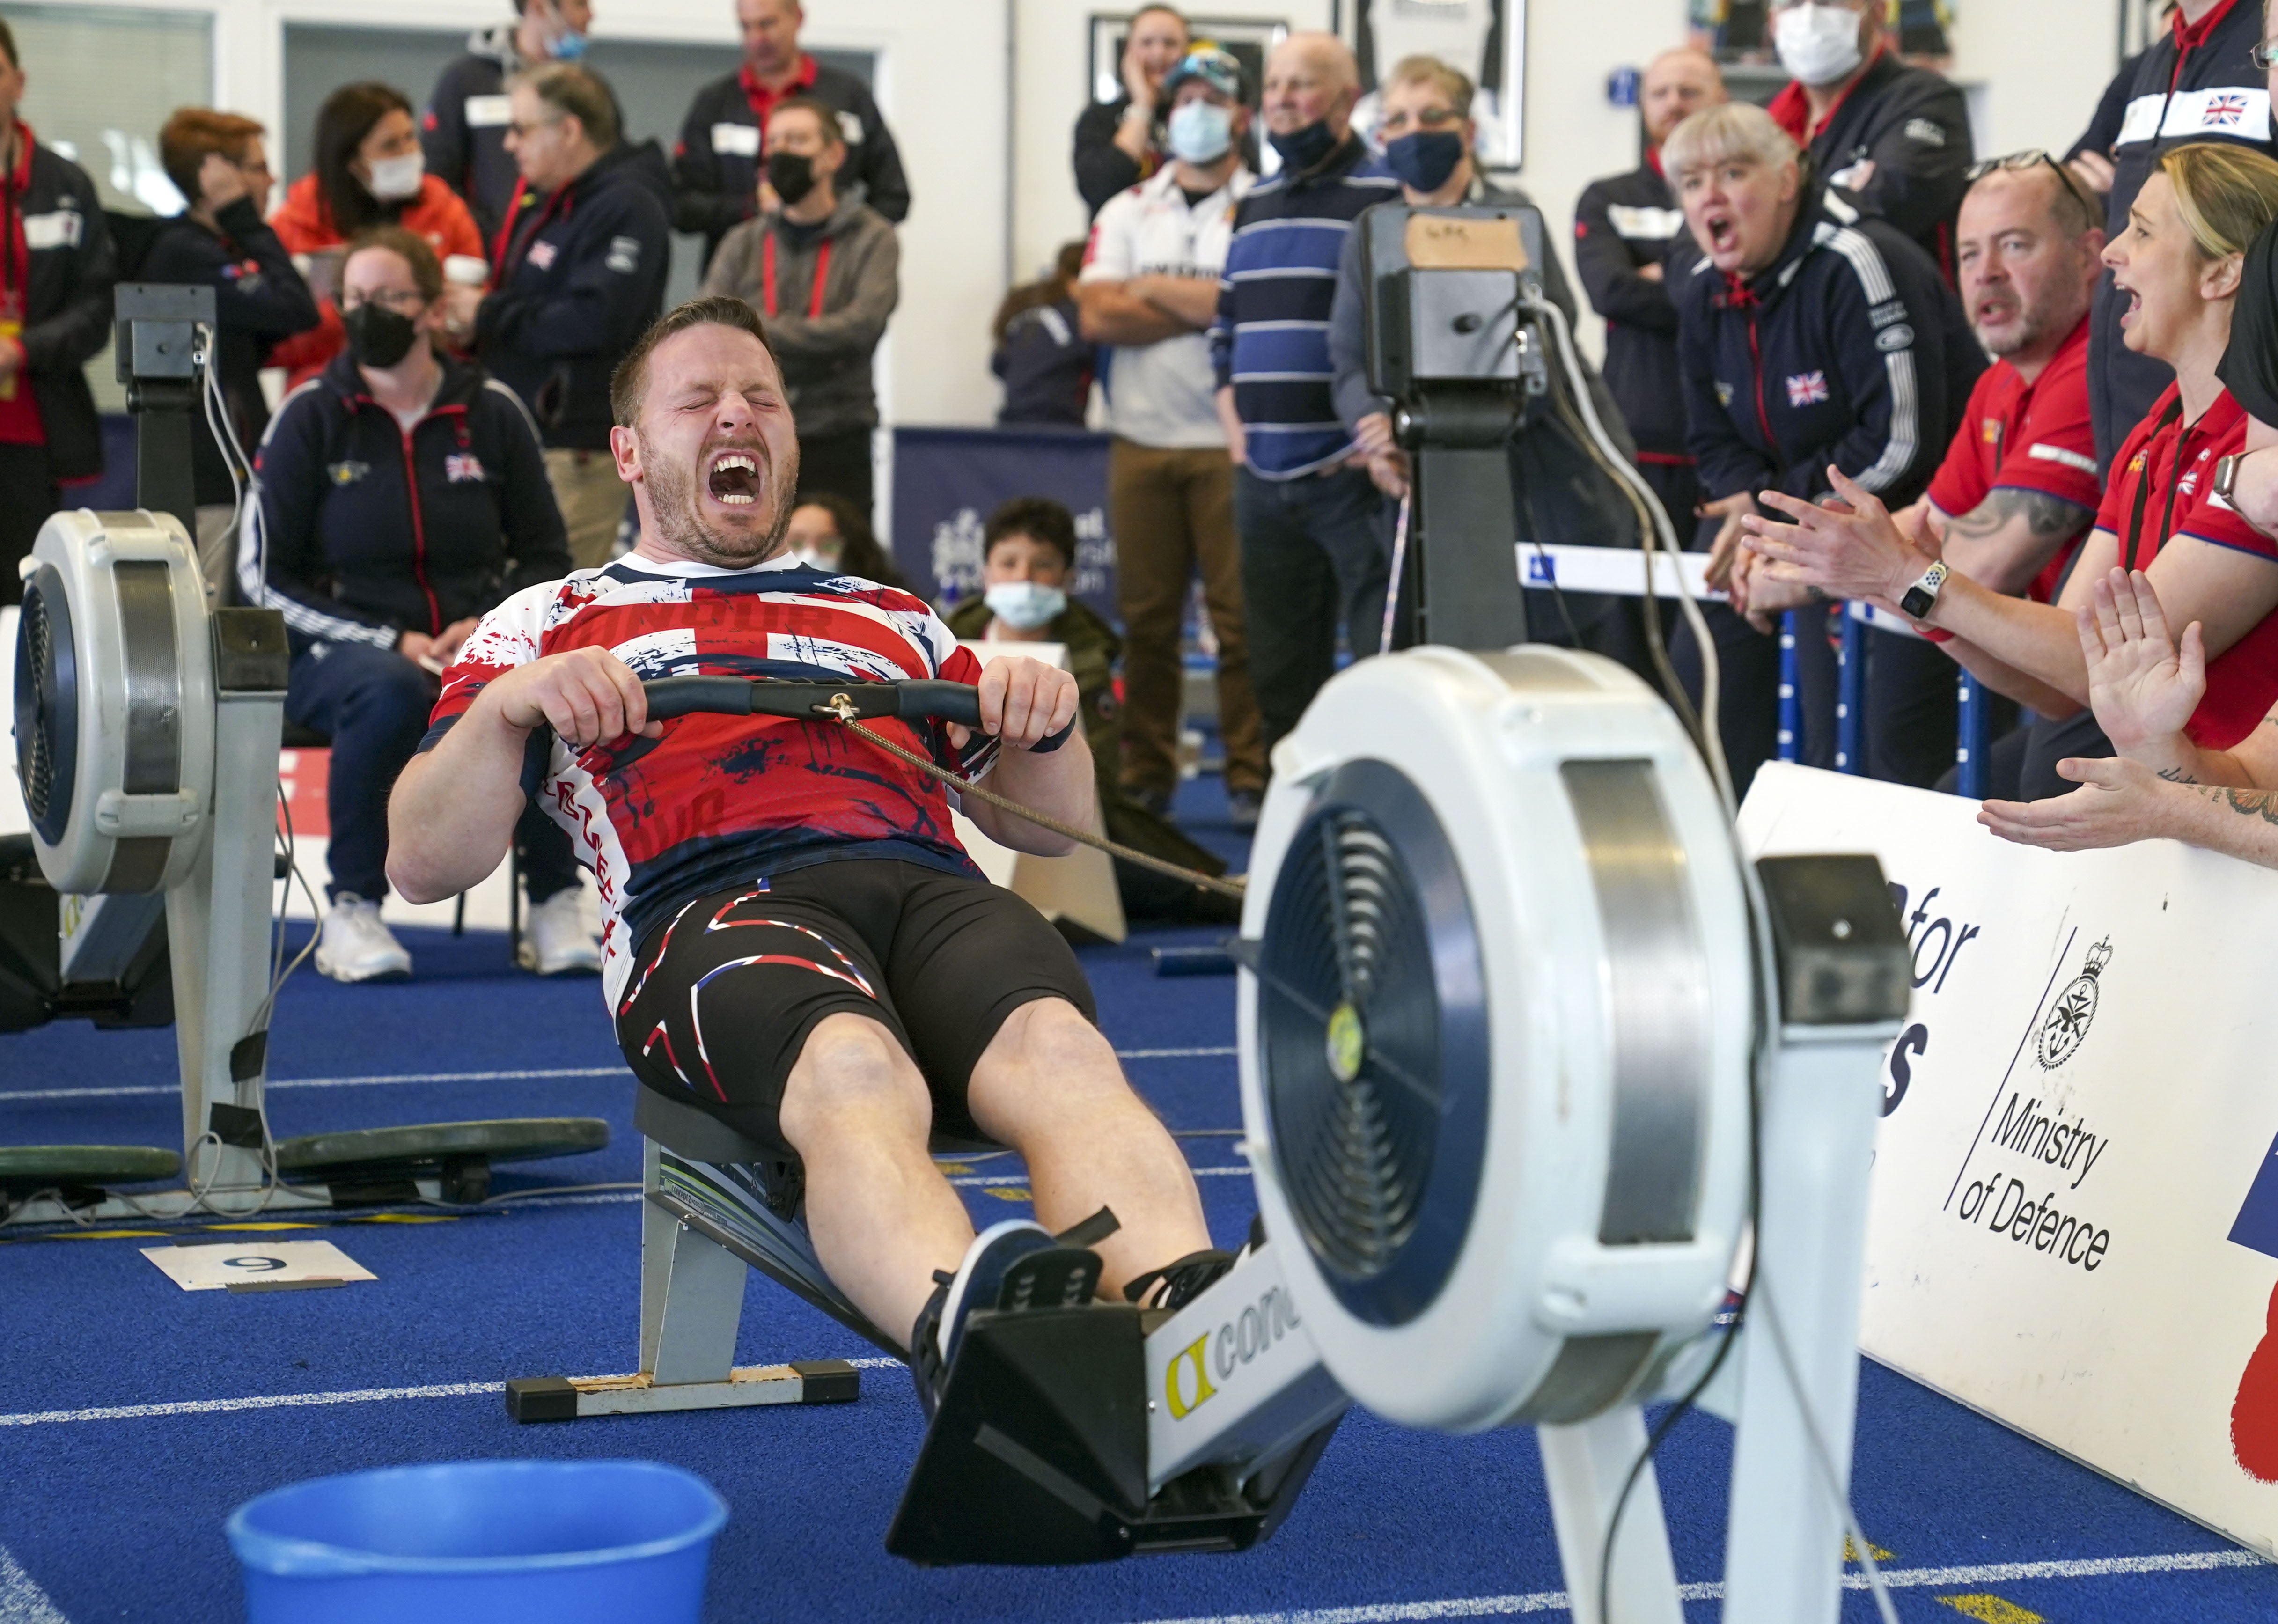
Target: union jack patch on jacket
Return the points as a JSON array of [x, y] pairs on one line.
[[1807, 389]]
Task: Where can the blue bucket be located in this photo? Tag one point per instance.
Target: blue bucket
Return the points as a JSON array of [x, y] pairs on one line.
[[504, 1542]]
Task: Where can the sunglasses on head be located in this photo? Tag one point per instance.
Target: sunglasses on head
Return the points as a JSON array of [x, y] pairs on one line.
[[2032, 158]]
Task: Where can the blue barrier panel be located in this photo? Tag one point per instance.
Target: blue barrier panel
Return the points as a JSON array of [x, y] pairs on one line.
[[948, 480], [1791, 711], [1851, 695], [1975, 733]]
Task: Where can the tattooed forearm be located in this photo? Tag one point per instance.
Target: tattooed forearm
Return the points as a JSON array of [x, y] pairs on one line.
[[2046, 517], [2249, 803], [2176, 775]]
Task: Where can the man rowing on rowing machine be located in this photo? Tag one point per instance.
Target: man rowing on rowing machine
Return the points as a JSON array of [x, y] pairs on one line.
[[792, 937]]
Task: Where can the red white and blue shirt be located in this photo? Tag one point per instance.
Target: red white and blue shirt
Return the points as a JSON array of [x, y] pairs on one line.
[[728, 801]]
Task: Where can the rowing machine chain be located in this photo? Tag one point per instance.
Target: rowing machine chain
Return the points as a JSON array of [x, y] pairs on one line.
[[842, 707]]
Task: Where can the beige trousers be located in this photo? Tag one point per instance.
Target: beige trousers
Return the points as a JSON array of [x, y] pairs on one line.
[[592, 501]]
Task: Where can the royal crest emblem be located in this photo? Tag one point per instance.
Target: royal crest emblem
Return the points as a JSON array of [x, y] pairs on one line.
[[2075, 1006]]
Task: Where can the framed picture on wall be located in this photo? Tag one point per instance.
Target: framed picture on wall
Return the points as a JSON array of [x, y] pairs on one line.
[[1247, 40], [1486, 39]]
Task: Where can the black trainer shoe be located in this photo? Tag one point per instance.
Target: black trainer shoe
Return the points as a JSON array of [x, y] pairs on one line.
[[1011, 1267], [1177, 1284]]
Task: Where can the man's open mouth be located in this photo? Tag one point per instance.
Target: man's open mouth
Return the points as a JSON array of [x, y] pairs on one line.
[[735, 479]]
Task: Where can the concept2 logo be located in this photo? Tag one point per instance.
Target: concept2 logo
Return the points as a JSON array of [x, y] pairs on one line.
[[1187, 1383], [2068, 1017]]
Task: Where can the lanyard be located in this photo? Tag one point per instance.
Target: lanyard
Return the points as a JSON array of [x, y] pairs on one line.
[[768, 277], [2144, 485]]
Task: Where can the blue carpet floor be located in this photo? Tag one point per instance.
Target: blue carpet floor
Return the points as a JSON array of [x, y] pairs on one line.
[[136, 1416]]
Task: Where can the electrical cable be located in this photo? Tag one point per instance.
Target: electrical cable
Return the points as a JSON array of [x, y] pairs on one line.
[[1656, 535], [1399, 563]]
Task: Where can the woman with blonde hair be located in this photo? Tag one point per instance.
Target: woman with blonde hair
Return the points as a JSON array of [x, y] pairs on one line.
[[2167, 502]]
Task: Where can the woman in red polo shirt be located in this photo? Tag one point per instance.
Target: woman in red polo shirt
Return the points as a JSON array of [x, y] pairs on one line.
[[2180, 264]]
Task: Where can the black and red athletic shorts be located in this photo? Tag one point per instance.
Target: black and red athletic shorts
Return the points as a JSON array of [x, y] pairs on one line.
[[728, 988]]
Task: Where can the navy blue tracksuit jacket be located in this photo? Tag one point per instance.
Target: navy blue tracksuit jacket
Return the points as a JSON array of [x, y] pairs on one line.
[[1849, 348], [365, 529]]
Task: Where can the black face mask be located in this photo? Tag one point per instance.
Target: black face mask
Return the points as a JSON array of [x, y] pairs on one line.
[[378, 336], [1301, 149], [791, 174]]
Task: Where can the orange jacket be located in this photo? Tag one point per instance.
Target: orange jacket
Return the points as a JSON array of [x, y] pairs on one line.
[[304, 225]]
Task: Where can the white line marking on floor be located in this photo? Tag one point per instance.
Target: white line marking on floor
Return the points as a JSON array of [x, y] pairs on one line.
[[1905, 1578], [215, 1406], [22, 1601], [151, 1090]]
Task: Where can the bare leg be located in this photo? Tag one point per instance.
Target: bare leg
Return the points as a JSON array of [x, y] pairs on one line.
[[1049, 1085], [882, 1215]]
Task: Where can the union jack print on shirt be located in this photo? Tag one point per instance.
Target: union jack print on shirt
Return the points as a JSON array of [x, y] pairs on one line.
[[1807, 389], [462, 468], [2225, 109], [724, 800]]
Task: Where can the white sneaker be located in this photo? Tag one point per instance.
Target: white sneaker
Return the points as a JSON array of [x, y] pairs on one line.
[[555, 940], [352, 945]]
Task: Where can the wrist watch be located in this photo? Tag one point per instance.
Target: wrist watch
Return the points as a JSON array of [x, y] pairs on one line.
[[2226, 474], [1921, 597]]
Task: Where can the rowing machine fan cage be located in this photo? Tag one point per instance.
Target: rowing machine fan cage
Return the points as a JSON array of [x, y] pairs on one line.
[[1496, 1029], [114, 702]]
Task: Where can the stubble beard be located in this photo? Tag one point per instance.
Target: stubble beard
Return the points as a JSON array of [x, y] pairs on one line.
[[679, 517]]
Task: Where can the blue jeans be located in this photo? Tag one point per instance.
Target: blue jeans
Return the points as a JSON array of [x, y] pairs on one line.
[[1314, 551], [374, 704]]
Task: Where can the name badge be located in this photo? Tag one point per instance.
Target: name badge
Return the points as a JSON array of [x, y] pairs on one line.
[[2141, 122], [735, 140], [489, 113], [1646, 224], [60, 229]]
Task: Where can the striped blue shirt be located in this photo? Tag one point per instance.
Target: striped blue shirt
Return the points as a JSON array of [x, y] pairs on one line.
[[1271, 341]]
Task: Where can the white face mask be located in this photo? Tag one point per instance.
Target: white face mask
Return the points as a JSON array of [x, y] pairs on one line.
[[396, 179], [1201, 132], [1023, 605], [1817, 45]]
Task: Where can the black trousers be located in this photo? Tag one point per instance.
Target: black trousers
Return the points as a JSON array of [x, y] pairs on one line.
[[1315, 552], [838, 466], [28, 495], [2022, 765]]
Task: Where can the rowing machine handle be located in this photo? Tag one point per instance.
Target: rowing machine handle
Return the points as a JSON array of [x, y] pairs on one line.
[[739, 696]]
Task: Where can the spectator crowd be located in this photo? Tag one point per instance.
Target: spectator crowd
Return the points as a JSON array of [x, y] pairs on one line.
[[2022, 405]]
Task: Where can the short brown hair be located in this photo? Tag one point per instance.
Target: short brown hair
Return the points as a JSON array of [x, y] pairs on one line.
[[578, 92], [825, 115], [193, 132], [629, 382], [1450, 82], [1039, 518], [8, 44], [407, 245]]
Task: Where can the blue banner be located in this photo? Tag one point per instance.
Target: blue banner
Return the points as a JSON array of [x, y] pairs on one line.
[[947, 481]]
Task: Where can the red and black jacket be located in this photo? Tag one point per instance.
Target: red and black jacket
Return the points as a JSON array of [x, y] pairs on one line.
[[1913, 125], [1849, 348], [365, 529], [55, 236]]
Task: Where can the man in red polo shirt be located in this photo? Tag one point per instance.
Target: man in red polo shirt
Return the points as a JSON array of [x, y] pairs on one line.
[[717, 165], [2019, 488]]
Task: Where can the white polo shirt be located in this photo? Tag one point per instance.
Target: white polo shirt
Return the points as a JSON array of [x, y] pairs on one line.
[[1159, 395]]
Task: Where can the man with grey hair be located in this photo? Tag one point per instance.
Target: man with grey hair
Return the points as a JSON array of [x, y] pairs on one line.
[[1314, 551], [1810, 335]]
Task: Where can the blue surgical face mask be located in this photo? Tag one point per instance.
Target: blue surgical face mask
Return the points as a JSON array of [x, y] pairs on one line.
[[567, 47], [1024, 605], [1425, 159], [1201, 132]]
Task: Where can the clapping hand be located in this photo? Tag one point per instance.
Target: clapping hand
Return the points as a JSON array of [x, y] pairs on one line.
[[1848, 548], [2141, 686]]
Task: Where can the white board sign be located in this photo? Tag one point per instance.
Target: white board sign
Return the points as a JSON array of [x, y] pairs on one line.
[[2074, 1215], [216, 1265]]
